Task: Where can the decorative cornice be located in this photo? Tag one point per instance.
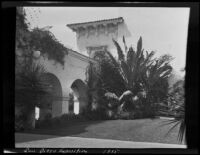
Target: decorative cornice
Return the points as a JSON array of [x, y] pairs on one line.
[[76, 26]]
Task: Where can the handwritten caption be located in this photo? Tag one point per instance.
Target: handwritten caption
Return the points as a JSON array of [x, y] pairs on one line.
[[47, 150]]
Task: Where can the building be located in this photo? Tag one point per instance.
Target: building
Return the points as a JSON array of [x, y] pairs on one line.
[[97, 35], [91, 37]]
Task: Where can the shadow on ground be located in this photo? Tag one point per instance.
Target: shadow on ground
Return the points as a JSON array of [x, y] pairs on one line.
[[53, 132], [139, 130]]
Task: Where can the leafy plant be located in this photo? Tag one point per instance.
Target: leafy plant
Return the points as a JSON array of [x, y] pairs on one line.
[[134, 71], [36, 39], [29, 85], [60, 121], [71, 102], [45, 41], [176, 109], [29, 88]]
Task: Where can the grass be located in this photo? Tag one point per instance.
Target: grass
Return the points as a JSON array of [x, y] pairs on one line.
[[140, 130]]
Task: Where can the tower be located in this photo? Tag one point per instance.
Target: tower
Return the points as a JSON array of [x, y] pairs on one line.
[[97, 35]]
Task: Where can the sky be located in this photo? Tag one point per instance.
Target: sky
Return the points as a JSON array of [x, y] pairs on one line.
[[163, 30]]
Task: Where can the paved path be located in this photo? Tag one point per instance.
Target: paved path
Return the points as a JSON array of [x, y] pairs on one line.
[[77, 142]]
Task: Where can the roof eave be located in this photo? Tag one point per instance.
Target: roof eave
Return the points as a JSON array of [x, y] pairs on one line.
[[76, 25]]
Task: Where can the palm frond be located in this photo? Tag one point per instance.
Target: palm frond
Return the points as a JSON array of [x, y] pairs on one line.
[[174, 125], [130, 57], [125, 46], [29, 84], [181, 131], [119, 50], [139, 47], [112, 59], [126, 71], [167, 122]]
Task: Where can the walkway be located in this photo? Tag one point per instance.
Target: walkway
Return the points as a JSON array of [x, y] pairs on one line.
[[77, 142]]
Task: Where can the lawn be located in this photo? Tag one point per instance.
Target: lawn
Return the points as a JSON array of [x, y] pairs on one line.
[[140, 130]]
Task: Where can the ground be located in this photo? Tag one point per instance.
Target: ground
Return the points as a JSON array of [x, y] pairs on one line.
[[140, 130]]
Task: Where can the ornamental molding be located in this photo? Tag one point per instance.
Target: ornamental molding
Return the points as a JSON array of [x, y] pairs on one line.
[[96, 28]]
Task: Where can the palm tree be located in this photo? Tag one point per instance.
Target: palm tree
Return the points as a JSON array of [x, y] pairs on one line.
[[140, 72], [176, 109], [135, 72], [29, 88]]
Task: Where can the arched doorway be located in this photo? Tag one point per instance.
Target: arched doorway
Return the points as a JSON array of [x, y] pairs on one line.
[[51, 104], [80, 90]]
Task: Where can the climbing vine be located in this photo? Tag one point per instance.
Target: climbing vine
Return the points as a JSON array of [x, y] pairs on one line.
[[46, 43], [37, 39]]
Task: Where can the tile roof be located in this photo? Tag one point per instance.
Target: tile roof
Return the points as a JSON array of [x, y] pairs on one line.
[[120, 19]]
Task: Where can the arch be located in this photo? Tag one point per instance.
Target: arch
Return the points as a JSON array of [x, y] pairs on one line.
[[51, 104], [80, 90]]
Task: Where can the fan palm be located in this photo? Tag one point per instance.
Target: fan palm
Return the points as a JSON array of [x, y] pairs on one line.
[[29, 88], [178, 113], [176, 109]]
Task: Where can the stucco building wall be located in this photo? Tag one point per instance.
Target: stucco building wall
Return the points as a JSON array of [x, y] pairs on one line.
[[74, 68], [102, 39]]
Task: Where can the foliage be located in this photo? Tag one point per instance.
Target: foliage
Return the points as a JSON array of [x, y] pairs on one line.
[[46, 43], [176, 108], [71, 102], [37, 39], [60, 121], [29, 88], [97, 114], [23, 49], [179, 119], [134, 71], [99, 83], [177, 92], [21, 29], [19, 123]]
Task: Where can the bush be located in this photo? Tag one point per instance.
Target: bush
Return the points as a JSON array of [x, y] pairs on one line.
[[43, 123], [19, 124], [98, 114], [124, 115], [60, 121]]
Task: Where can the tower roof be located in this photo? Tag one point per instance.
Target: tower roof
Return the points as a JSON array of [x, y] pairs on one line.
[[74, 26]]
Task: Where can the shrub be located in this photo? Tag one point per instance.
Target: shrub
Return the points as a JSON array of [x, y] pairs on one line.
[[60, 121], [136, 71], [19, 124], [97, 114]]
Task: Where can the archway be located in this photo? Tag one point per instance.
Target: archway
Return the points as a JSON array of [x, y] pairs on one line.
[[51, 104], [80, 90]]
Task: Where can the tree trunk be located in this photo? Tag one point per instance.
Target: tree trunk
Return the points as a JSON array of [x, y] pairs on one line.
[[30, 122]]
